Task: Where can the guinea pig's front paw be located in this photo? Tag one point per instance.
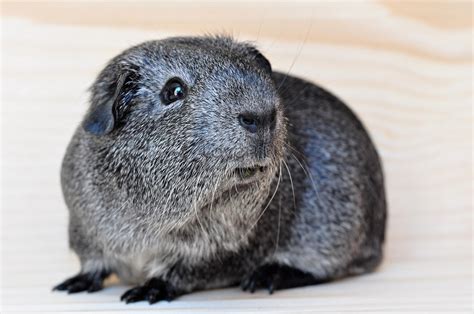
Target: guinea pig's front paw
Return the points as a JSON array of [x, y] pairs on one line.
[[90, 282], [153, 290], [264, 277], [275, 276]]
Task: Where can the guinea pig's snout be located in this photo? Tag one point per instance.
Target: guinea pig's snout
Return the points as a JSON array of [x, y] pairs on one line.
[[253, 121], [259, 135], [248, 122]]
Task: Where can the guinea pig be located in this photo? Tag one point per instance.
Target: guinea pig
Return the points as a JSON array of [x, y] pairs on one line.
[[197, 166]]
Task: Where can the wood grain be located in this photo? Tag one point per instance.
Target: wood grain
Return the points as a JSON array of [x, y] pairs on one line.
[[404, 67]]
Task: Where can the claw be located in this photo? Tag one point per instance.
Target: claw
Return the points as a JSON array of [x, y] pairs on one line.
[[252, 286], [263, 277], [153, 291], [132, 295], [90, 282], [271, 288], [273, 277]]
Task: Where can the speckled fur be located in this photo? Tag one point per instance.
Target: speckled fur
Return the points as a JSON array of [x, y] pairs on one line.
[[156, 196]]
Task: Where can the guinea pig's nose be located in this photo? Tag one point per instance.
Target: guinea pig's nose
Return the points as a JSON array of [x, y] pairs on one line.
[[249, 122], [252, 121]]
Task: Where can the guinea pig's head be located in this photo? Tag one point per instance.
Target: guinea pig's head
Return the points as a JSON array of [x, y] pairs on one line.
[[184, 124]]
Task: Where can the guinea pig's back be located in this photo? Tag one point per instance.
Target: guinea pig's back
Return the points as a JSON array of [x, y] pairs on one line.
[[344, 182], [74, 171]]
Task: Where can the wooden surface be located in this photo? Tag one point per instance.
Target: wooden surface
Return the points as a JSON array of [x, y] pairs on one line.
[[404, 67]]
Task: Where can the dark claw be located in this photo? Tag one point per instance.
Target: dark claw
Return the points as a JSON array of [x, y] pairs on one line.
[[78, 286], [244, 284], [252, 286], [274, 276], [94, 287], [132, 295], [153, 291], [89, 282], [264, 277], [271, 288], [153, 296]]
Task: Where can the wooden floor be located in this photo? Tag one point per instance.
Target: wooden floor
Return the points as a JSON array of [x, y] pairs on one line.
[[404, 67]]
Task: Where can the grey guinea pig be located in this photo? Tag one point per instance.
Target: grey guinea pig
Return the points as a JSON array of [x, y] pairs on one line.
[[198, 167]]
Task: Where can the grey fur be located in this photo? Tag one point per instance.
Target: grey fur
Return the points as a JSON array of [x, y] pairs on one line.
[[155, 195]]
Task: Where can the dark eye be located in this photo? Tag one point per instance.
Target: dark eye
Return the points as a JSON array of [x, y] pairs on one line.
[[173, 90]]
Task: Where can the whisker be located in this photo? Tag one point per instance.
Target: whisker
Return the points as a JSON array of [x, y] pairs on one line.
[[305, 170], [260, 26], [195, 209], [214, 195], [300, 48], [268, 204], [291, 181], [278, 228]]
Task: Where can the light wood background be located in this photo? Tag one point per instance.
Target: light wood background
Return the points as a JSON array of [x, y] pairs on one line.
[[404, 67]]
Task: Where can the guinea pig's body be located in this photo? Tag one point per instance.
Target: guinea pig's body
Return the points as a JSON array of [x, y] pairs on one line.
[[198, 167]]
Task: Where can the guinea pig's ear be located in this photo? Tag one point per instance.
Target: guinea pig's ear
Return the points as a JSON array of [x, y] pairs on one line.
[[260, 59], [106, 104]]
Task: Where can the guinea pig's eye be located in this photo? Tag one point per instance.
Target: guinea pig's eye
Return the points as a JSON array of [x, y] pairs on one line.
[[173, 90]]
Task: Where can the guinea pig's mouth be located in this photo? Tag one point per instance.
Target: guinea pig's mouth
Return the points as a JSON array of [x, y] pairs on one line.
[[249, 172], [247, 179]]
